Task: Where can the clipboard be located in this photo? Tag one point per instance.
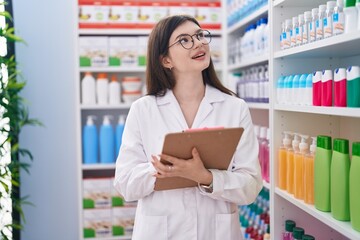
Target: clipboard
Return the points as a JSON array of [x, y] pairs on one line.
[[215, 146]]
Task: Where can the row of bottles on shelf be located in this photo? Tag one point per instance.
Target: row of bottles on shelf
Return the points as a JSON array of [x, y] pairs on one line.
[[106, 213], [252, 84], [322, 176], [322, 88], [144, 14], [263, 136], [101, 91], [238, 10], [319, 23], [255, 218], [254, 42], [293, 232], [108, 140]]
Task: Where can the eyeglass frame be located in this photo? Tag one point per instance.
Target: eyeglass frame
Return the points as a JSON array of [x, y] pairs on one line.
[[192, 39]]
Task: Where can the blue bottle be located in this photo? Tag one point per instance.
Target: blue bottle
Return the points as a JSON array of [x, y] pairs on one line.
[[90, 142], [119, 133], [107, 141]]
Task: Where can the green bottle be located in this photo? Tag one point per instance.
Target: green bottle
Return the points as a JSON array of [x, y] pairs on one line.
[[298, 233], [340, 170], [354, 187], [353, 86], [322, 167], [307, 237]]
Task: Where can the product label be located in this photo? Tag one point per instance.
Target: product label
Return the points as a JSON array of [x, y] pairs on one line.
[[293, 37], [328, 27], [305, 35], [312, 32], [299, 35], [338, 23], [319, 29], [286, 39]]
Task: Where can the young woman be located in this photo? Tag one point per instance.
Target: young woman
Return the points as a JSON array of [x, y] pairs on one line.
[[184, 92]]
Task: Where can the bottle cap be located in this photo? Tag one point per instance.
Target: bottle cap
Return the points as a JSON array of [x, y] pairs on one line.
[[303, 144], [307, 14], [287, 138], [114, 78], [88, 74], [309, 80], [341, 145], [326, 75], [280, 82], [349, 3], [307, 237], [298, 232], [121, 119], [330, 4], [289, 225], [322, 8], [301, 18], [102, 76], [106, 120], [295, 21], [324, 142], [296, 141], [257, 130], [352, 72], [313, 145], [90, 120], [314, 11], [356, 149], [317, 76], [339, 74], [288, 23]]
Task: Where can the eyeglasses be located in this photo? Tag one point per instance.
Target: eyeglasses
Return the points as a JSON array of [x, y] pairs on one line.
[[187, 41]]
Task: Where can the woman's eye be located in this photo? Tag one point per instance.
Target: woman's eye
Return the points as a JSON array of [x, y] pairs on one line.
[[200, 35], [184, 40]]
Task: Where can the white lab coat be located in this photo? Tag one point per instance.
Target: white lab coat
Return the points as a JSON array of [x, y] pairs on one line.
[[188, 213]]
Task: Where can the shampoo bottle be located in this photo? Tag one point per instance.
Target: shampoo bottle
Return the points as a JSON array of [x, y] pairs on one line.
[[340, 170], [90, 141], [119, 132], [286, 143], [107, 141], [114, 90], [327, 88], [354, 187], [340, 87], [88, 89], [302, 89], [308, 91], [299, 168], [266, 156], [316, 88], [102, 93], [322, 173], [353, 86], [290, 164], [309, 174]]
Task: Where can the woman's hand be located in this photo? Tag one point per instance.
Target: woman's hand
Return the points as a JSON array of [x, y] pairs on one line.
[[192, 168]]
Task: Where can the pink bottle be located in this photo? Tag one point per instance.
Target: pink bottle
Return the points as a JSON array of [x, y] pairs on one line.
[[326, 88], [266, 157], [263, 143], [340, 87], [316, 88]]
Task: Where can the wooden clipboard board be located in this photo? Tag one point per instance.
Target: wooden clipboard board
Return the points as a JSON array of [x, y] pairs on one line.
[[216, 149]]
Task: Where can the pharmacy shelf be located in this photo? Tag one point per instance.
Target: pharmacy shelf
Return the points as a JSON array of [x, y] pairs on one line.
[[111, 238], [255, 15], [334, 111], [130, 32], [250, 62], [264, 106], [98, 166], [303, 3], [342, 227], [344, 45], [112, 69], [106, 107], [266, 185]]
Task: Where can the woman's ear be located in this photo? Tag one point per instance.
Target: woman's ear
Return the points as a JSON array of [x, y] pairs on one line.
[[165, 61]]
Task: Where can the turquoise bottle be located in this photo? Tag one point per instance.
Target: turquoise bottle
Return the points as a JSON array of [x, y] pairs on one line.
[[107, 141], [322, 167], [354, 187], [119, 132], [340, 170], [353, 86]]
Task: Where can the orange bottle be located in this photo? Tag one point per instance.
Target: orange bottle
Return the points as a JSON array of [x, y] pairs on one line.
[[309, 173], [299, 168], [290, 164], [286, 143]]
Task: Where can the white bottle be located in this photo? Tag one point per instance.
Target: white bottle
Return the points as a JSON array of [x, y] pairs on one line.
[[266, 37], [339, 18], [114, 90], [88, 89], [102, 89], [282, 35], [288, 31], [351, 19], [299, 30], [312, 27], [328, 20], [306, 27], [295, 29], [320, 22]]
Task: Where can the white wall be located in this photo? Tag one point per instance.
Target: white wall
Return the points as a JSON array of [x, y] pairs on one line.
[[48, 65]]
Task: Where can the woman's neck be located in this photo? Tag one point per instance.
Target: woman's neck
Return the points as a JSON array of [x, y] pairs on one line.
[[189, 90]]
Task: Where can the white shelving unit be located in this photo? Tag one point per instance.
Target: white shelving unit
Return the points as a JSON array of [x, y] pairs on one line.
[[98, 166]]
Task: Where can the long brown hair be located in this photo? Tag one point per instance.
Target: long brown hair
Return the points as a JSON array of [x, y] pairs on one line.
[[159, 78]]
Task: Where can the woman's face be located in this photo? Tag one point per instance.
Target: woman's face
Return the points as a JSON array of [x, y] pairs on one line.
[[194, 59]]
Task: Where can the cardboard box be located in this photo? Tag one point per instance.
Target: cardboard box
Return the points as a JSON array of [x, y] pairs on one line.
[[123, 51], [93, 13], [123, 14], [96, 193], [123, 219], [93, 51], [97, 223]]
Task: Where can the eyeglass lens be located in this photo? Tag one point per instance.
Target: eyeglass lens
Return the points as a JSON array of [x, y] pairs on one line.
[[187, 41]]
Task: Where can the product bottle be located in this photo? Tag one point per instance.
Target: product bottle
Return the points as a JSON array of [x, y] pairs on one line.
[[302, 89], [340, 87], [308, 237], [286, 143], [102, 89], [306, 27], [322, 169], [309, 90], [340, 170], [327, 88], [119, 132], [354, 187], [289, 88], [114, 90], [299, 30], [320, 22], [289, 226], [316, 88], [328, 23], [295, 31], [295, 90], [351, 16], [315, 16], [282, 35], [353, 86], [290, 164], [280, 90], [88, 89], [288, 33], [298, 233], [90, 141], [299, 168], [266, 160], [309, 173], [107, 141], [263, 142], [339, 18]]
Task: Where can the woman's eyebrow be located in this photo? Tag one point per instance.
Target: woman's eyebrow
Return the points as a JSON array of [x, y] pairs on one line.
[[186, 34]]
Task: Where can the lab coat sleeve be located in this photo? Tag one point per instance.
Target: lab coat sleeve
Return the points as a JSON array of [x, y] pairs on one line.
[[242, 182], [133, 174]]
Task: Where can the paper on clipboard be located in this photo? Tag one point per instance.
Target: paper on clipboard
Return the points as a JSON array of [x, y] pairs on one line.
[[215, 146]]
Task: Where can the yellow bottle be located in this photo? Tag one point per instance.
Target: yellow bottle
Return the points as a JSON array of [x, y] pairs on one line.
[[309, 173], [299, 168], [286, 143], [290, 164]]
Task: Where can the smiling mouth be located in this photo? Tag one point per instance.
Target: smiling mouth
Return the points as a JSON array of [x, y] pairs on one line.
[[198, 56]]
